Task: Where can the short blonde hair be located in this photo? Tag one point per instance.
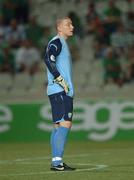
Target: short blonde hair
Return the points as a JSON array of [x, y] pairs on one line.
[[60, 19]]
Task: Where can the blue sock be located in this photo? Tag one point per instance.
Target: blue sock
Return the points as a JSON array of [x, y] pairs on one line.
[[59, 141], [52, 140]]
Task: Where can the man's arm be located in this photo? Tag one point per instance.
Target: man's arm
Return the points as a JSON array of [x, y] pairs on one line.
[[52, 51]]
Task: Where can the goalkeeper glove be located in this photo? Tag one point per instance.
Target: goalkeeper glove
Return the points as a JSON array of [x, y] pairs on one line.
[[62, 83]]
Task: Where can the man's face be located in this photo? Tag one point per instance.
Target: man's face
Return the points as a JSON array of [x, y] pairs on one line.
[[66, 28]]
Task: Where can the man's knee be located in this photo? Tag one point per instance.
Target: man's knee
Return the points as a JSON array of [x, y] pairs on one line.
[[66, 123]]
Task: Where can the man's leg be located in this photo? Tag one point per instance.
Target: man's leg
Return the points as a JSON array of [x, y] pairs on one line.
[[52, 139], [59, 142], [62, 108]]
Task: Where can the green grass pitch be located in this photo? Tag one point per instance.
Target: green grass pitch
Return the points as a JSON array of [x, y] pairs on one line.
[[94, 161]]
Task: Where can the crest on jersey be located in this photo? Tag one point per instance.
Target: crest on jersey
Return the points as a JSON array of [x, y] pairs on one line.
[[52, 58]]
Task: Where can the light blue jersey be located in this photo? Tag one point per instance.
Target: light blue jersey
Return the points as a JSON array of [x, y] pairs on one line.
[[59, 62]]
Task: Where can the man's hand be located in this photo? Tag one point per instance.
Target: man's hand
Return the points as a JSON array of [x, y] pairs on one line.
[[62, 83]]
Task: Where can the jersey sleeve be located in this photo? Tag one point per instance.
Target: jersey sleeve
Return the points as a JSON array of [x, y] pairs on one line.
[[52, 51]]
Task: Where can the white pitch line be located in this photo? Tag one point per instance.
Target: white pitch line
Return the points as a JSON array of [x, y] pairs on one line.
[[97, 167], [38, 158], [22, 163], [42, 158], [39, 163]]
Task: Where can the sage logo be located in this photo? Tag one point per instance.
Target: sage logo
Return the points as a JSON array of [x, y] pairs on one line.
[[100, 120], [5, 118]]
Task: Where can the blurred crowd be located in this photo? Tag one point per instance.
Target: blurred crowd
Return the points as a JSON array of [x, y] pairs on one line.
[[23, 39], [113, 33], [112, 30]]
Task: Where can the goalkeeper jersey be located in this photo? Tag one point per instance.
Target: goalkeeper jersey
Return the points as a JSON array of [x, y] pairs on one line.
[[58, 61]]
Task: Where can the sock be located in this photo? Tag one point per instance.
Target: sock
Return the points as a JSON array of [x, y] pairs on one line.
[[52, 140], [59, 141]]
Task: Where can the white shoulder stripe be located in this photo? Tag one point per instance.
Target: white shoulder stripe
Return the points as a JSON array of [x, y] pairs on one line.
[[54, 46]]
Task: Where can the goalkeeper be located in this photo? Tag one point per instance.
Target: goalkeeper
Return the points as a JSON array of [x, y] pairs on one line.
[[60, 90]]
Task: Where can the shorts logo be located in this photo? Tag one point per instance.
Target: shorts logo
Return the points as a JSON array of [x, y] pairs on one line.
[[69, 114]]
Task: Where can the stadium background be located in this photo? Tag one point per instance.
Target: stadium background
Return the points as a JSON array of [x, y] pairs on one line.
[[103, 108]]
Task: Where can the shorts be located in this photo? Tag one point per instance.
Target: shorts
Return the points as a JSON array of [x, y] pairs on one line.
[[62, 107]]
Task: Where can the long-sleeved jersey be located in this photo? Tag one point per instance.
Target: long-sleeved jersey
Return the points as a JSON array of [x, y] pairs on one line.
[[58, 61]]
